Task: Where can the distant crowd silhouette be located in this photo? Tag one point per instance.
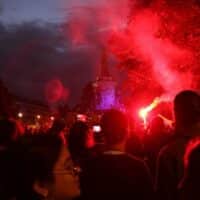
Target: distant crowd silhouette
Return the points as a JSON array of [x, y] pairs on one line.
[[65, 164]]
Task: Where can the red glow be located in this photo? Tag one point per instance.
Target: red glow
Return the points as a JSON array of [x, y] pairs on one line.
[[55, 91], [161, 54], [81, 117], [167, 122], [153, 59], [77, 28], [52, 118], [143, 113], [92, 26], [194, 143]]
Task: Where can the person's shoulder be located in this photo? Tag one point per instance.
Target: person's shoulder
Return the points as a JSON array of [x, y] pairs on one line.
[[167, 150], [173, 146], [95, 158]]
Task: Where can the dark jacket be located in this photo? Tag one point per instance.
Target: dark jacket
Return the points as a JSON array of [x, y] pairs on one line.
[[170, 168], [116, 176]]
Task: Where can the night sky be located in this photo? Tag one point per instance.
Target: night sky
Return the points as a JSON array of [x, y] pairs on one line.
[[45, 42], [47, 10], [31, 54]]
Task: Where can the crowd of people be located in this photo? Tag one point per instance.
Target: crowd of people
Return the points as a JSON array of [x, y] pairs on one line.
[[61, 164]]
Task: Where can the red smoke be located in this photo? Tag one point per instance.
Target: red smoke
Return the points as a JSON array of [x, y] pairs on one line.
[[92, 25], [162, 54], [138, 43], [55, 91]]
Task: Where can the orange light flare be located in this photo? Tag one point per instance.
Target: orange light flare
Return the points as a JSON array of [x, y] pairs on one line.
[[143, 113], [168, 122]]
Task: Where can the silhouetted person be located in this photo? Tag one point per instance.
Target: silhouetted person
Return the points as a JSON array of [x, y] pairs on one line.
[[58, 128], [189, 185], [115, 174], [80, 142], [8, 132], [134, 146], [40, 167], [156, 138], [170, 160]]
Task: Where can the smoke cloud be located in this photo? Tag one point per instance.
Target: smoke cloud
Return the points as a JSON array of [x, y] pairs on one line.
[[131, 32]]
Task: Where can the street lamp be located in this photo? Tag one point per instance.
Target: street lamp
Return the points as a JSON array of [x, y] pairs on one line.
[[20, 115]]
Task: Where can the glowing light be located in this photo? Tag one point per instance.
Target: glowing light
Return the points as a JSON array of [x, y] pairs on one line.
[[52, 118], [96, 129], [168, 122], [38, 116], [143, 113], [20, 115], [81, 117], [55, 91]]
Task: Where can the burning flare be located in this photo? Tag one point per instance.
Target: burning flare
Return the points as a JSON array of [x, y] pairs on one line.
[[143, 113]]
